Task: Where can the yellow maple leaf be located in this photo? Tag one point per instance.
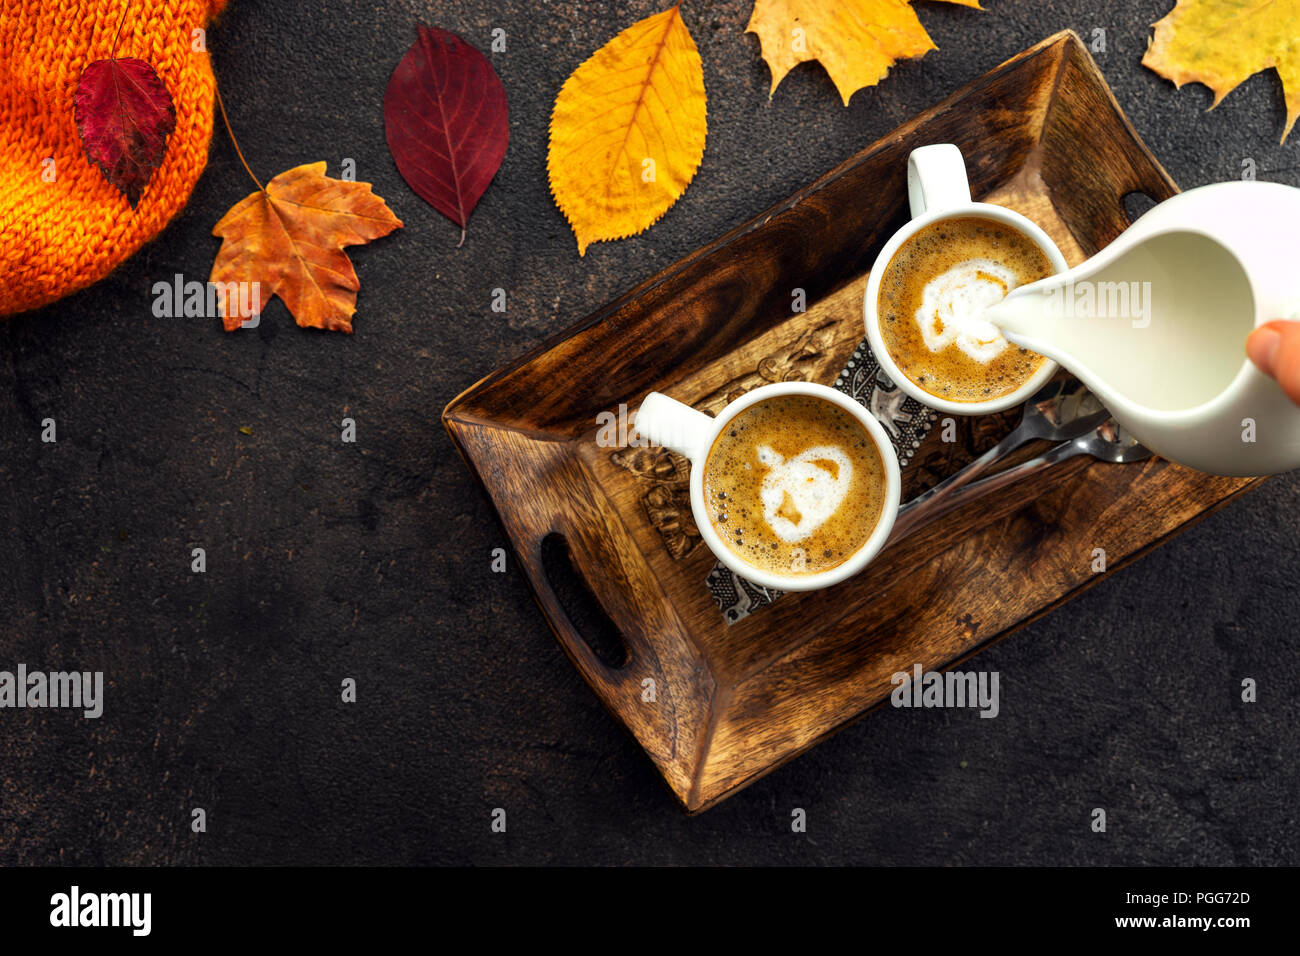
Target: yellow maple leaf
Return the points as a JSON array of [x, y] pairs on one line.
[[289, 239], [627, 131], [1221, 43], [857, 41]]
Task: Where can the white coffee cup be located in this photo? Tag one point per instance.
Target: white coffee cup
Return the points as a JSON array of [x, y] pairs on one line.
[[937, 189], [671, 424]]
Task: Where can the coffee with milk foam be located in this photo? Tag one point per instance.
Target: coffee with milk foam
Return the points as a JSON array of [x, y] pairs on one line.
[[932, 295], [794, 485]]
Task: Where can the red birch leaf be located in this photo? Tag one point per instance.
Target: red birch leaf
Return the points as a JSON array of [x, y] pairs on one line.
[[445, 117], [124, 116]]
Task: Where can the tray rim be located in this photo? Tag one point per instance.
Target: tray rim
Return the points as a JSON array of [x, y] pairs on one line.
[[455, 415]]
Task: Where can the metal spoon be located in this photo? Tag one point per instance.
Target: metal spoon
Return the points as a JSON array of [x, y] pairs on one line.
[[1060, 410], [1108, 442]]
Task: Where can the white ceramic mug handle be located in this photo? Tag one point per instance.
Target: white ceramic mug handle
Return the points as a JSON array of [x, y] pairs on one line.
[[936, 179], [667, 422]]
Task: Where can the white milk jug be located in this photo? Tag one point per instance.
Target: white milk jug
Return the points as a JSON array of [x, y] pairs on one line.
[[1155, 325]]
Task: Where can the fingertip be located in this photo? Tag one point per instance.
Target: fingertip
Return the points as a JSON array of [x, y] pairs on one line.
[[1262, 347], [1285, 362]]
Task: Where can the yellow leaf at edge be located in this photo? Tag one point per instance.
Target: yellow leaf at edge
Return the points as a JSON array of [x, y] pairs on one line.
[[290, 238], [1223, 43], [627, 131], [857, 41]]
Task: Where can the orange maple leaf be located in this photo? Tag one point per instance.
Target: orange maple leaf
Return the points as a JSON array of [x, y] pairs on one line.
[[289, 240], [857, 41]]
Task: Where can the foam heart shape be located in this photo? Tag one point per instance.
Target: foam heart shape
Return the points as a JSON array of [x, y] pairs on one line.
[[799, 494]]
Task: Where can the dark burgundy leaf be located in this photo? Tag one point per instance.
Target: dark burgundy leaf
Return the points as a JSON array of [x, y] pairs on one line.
[[445, 117], [124, 116]]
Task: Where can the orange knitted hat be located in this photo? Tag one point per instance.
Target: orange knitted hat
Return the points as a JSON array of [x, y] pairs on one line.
[[60, 236]]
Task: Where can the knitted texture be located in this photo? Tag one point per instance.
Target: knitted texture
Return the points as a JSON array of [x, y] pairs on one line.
[[60, 236]]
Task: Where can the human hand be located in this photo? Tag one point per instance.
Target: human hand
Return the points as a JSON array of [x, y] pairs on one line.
[[1274, 347]]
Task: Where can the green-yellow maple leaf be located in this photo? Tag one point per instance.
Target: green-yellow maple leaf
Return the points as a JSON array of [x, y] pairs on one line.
[[1221, 43]]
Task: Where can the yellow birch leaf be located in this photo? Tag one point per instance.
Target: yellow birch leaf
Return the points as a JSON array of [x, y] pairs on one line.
[[627, 131], [857, 41], [1221, 43]]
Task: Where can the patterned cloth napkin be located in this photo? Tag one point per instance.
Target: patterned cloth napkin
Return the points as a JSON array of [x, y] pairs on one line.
[[905, 419]]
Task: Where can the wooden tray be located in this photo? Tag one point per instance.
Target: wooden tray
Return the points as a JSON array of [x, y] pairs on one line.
[[1041, 134]]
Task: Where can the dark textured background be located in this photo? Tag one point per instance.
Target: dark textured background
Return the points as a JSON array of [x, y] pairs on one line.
[[328, 560]]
